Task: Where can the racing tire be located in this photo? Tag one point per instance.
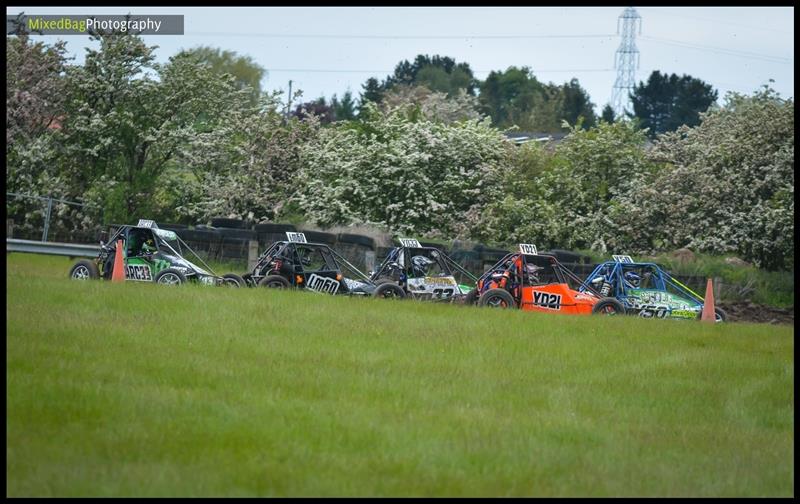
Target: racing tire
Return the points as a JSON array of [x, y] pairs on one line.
[[497, 298], [608, 306], [719, 315], [274, 282], [471, 298], [84, 270], [233, 280], [389, 290], [170, 276]]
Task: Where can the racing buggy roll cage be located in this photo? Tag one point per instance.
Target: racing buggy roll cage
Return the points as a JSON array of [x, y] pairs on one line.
[[392, 263], [277, 249], [161, 236], [562, 273], [608, 275]]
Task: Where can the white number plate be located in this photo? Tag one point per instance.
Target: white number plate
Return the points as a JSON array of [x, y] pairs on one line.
[[410, 242], [296, 237]]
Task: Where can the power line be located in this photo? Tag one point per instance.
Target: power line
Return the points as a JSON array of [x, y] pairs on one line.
[[718, 21], [333, 70], [721, 50], [402, 37]]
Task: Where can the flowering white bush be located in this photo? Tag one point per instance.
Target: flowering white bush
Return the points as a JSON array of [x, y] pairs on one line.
[[409, 176], [250, 167], [561, 199], [728, 183]]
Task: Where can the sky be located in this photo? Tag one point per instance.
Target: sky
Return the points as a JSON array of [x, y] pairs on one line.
[[327, 50]]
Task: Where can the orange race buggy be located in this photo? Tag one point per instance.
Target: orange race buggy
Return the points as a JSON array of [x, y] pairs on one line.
[[538, 282]]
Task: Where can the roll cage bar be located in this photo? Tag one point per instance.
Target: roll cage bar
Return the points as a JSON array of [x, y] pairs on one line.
[[664, 278], [562, 273], [160, 242], [280, 248], [394, 255]]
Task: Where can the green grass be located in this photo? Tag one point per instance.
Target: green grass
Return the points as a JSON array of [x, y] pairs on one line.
[[145, 390]]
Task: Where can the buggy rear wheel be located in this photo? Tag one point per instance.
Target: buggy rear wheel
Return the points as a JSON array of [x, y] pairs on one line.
[[84, 270], [608, 306], [274, 282], [232, 280], [389, 290], [497, 298], [471, 298]]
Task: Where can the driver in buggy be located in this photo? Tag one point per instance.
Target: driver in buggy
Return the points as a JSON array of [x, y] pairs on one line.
[[420, 265], [632, 280], [530, 275], [138, 243]]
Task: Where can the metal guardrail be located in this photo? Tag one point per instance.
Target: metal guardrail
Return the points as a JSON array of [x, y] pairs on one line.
[[52, 248]]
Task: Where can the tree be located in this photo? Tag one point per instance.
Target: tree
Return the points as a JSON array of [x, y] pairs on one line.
[[576, 104], [438, 73], [433, 106], [608, 114], [35, 96], [34, 87], [127, 117], [372, 93], [562, 198], [326, 113], [344, 109], [727, 184], [508, 97], [247, 73], [248, 167], [413, 176], [516, 98], [667, 102]]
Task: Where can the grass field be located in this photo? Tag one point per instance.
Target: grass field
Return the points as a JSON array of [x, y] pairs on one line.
[[155, 391]]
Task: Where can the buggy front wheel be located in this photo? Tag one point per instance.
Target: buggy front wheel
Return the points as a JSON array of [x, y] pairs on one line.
[[608, 306], [497, 298], [274, 282], [84, 270], [170, 276]]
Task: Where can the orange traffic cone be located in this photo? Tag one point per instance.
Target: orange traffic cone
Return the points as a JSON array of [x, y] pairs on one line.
[[118, 273], [708, 314]]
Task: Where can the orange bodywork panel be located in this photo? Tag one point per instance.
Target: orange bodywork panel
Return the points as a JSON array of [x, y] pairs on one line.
[[556, 298]]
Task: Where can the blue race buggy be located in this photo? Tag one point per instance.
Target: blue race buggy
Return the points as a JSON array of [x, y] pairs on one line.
[[646, 290]]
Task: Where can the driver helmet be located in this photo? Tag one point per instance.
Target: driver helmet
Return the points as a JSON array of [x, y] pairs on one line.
[[149, 244], [632, 278], [532, 272], [419, 265]]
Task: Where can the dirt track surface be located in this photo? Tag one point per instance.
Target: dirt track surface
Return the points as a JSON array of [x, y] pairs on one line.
[[745, 311]]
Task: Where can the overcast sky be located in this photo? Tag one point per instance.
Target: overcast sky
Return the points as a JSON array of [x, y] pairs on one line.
[[332, 49]]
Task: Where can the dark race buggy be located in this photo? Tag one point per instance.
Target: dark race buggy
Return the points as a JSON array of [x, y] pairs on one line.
[[310, 266], [418, 272]]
